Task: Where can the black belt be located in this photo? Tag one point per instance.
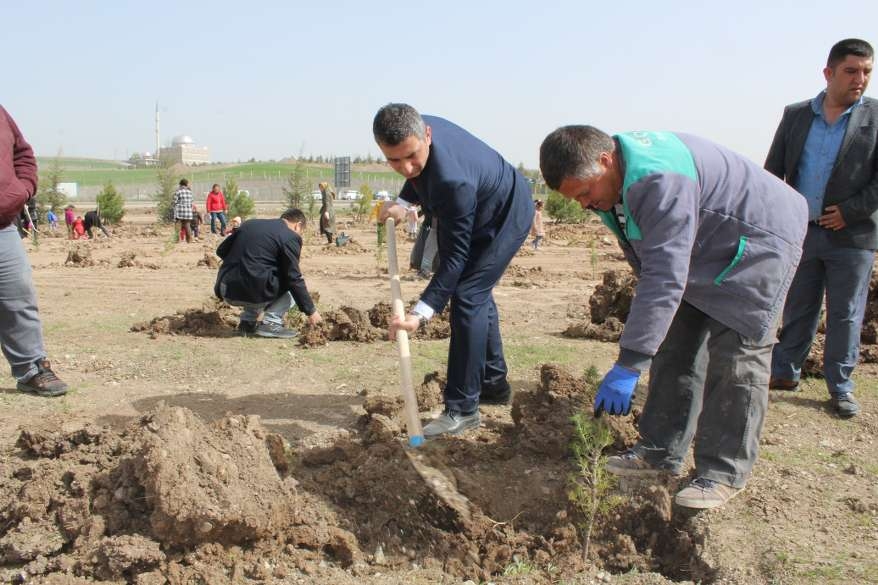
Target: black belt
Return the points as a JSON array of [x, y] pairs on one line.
[[815, 222]]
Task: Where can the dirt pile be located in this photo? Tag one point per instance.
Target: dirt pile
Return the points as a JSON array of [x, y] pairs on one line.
[[129, 260], [170, 499], [351, 324], [608, 307], [209, 260], [79, 256], [218, 320], [527, 277], [351, 247], [174, 500]]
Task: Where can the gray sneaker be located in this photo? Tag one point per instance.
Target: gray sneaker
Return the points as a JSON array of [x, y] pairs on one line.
[[274, 331], [44, 383], [630, 464], [703, 494], [452, 422], [845, 405]]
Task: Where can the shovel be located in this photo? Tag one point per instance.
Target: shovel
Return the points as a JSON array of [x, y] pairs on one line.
[[440, 483], [412, 420]]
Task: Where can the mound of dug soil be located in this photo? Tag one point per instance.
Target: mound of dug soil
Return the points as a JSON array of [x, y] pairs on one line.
[[352, 247], [209, 260], [128, 260], [173, 500], [609, 306], [79, 256], [220, 320], [351, 324]]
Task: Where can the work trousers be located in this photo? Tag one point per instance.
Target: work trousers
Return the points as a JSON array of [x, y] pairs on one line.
[[21, 333], [709, 383], [843, 274]]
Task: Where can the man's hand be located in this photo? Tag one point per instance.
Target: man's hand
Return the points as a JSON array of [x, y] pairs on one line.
[[315, 318], [394, 210], [615, 392], [408, 323], [832, 219]]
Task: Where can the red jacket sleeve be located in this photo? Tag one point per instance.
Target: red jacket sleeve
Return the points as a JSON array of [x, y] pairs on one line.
[[18, 169]]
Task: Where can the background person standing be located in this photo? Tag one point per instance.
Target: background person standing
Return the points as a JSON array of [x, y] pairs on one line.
[[21, 331], [183, 210], [827, 148], [216, 207]]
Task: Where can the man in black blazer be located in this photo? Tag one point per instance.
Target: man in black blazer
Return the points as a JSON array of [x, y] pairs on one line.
[[827, 148], [484, 209], [260, 272]]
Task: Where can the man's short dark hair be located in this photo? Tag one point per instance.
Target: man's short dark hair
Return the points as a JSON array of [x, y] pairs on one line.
[[184, 182], [573, 151], [842, 49], [395, 122], [294, 215]]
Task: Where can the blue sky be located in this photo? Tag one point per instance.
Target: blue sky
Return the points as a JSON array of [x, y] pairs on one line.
[[273, 79]]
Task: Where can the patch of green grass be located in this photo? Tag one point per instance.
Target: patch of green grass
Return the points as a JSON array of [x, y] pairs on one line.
[[519, 567]]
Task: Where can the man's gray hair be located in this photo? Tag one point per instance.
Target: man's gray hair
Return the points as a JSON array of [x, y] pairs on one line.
[[573, 151], [395, 122]]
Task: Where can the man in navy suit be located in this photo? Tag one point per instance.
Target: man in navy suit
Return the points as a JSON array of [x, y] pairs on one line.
[[827, 148], [484, 210]]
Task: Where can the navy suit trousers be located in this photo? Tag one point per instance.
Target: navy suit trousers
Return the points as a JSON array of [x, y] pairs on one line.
[[475, 354]]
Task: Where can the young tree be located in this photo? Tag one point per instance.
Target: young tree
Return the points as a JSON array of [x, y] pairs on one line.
[[111, 204], [241, 205], [297, 187], [49, 196], [564, 210], [362, 206], [168, 179]]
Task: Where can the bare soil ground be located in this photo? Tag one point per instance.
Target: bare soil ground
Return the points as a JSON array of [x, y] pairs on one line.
[[185, 454]]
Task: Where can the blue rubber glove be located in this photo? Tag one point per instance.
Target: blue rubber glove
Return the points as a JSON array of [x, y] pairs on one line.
[[615, 392]]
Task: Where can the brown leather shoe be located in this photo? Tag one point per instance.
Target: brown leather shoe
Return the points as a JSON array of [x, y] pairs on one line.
[[44, 382], [781, 384]]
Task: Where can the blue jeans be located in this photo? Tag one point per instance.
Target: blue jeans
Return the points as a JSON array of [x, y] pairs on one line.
[[21, 333], [272, 312], [214, 216], [843, 274]]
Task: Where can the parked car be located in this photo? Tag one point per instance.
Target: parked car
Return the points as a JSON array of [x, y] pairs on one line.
[[350, 195], [316, 195], [382, 196]]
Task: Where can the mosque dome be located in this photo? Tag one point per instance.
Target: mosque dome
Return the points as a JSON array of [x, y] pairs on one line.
[[182, 139]]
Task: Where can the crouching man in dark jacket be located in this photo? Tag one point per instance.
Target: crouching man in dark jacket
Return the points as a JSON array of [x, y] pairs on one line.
[[260, 272]]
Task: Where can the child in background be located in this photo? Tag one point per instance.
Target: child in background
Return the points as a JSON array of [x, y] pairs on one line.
[[68, 220], [78, 228], [53, 220], [197, 220], [536, 229]]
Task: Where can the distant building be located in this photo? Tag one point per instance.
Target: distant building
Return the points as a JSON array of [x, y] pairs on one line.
[[184, 151]]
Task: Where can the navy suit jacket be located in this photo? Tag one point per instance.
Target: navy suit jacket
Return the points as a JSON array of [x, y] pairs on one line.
[[853, 183], [479, 199]]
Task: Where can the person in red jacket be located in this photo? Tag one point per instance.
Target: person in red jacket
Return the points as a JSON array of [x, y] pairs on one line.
[[216, 207], [21, 332]]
